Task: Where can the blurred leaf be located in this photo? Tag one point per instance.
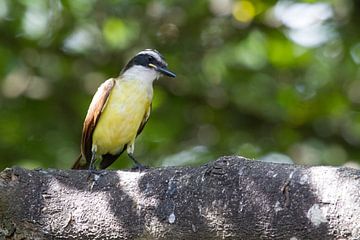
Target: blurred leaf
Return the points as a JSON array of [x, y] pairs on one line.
[[119, 34]]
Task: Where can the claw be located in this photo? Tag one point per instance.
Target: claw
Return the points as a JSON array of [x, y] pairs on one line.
[[139, 167]]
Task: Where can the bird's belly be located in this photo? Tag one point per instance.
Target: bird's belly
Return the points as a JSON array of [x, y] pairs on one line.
[[120, 120]]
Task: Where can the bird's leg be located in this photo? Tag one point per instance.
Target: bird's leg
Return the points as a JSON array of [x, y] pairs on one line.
[[92, 161], [130, 152], [92, 168], [138, 166]]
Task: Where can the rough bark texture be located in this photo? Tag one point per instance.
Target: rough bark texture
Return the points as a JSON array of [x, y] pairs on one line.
[[230, 198]]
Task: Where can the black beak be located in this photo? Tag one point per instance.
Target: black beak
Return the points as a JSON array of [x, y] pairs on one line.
[[166, 72], [163, 70]]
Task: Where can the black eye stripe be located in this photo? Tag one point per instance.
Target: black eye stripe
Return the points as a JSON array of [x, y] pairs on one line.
[[144, 60]]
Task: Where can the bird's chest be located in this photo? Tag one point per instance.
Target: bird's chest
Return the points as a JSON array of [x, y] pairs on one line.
[[128, 101], [122, 116]]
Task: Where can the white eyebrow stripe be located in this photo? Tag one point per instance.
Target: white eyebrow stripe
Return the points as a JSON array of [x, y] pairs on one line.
[[152, 53]]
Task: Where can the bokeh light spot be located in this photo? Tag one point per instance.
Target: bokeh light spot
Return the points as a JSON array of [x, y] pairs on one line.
[[220, 7], [244, 11], [355, 53]]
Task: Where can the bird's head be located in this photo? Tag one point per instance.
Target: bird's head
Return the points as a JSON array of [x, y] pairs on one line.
[[148, 63]]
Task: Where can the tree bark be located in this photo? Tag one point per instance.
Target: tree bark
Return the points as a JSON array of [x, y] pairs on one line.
[[231, 198]]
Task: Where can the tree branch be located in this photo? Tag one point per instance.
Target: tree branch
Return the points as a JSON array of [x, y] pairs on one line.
[[230, 198]]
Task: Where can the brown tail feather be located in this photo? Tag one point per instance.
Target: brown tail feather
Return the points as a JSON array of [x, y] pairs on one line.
[[80, 163]]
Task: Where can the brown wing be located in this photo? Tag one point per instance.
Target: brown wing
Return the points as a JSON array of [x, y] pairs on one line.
[[145, 119], [97, 105]]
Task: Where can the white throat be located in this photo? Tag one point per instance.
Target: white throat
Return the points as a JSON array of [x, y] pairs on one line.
[[140, 73]]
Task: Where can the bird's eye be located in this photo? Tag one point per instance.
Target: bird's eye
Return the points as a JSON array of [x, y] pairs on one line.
[[150, 58]]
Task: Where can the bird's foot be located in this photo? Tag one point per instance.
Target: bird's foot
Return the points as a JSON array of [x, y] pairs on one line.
[[93, 174], [139, 167]]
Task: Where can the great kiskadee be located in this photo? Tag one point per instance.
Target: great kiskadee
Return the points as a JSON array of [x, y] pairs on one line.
[[119, 111]]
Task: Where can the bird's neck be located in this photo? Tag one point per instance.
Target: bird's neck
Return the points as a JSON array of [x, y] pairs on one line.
[[140, 73], [140, 77]]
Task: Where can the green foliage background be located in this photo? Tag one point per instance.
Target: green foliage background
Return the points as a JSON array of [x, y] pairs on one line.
[[249, 82]]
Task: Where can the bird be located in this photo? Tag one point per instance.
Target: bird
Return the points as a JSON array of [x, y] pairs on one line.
[[119, 111]]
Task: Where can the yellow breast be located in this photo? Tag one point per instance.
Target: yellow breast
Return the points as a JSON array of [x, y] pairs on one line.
[[122, 116]]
